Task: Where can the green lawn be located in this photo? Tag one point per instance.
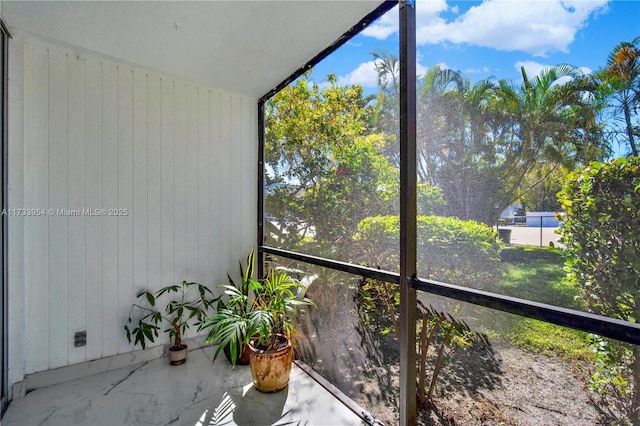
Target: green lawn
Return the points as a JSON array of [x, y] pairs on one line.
[[536, 273]]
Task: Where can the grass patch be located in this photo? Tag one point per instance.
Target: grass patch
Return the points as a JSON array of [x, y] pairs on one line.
[[537, 274], [550, 339]]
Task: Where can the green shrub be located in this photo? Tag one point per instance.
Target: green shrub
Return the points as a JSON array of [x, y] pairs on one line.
[[430, 199], [602, 219], [458, 251], [449, 249]]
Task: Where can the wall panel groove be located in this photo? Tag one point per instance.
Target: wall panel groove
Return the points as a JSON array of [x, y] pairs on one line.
[[151, 179]]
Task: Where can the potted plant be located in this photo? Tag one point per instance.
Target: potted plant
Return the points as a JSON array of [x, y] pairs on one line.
[[277, 301], [235, 319], [181, 310]]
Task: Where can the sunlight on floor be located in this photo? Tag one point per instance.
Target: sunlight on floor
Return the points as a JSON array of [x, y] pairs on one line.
[[198, 392]]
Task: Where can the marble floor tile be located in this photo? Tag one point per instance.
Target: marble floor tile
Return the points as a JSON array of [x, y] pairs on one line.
[[199, 392]]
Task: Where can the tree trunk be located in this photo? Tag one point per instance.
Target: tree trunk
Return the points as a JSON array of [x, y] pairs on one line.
[[177, 342], [440, 359], [627, 119], [422, 372]]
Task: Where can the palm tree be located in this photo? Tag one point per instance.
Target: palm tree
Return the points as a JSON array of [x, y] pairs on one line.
[[386, 112], [478, 141], [438, 110], [621, 79], [553, 119], [456, 151]]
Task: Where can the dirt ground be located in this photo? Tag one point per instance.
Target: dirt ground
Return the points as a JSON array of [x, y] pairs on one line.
[[515, 388], [482, 385]]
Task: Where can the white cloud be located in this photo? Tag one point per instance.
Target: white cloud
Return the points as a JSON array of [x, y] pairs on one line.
[[426, 13], [531, 68], [537, 27], [586, 70], [365, 75], [482, 70], [421, 69], [386, 25]]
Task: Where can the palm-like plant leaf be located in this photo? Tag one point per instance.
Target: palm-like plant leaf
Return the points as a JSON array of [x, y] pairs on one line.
[[254, 307]]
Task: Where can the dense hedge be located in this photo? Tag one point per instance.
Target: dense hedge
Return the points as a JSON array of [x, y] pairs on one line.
[[602, 234], [462, 252]]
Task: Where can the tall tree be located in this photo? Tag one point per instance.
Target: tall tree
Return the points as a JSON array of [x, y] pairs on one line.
[[549, 120], [325, 170], [453, 140], [621, 80], [386, 117], [478, 142]]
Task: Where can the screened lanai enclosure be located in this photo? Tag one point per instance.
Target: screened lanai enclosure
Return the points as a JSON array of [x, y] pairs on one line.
[[389, 199], [198, 130]]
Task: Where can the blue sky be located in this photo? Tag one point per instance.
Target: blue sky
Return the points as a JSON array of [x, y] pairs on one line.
[[493, 37]]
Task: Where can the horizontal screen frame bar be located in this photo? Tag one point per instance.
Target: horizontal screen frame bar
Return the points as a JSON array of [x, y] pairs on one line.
[[613, 328]]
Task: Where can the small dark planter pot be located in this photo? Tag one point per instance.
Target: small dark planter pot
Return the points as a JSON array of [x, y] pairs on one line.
[[178, 356], [243, 359]]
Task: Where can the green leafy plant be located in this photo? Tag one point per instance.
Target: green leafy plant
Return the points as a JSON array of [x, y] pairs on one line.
[[326, 170], [262, 308], [278, 301], [235, 319], [445, 334], [439, 334], [459, 251], [601, 203], [610, 381], [602, 218], [190, 304]]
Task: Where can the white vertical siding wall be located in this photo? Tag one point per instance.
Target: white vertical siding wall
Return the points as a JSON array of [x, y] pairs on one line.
[[178, 156]]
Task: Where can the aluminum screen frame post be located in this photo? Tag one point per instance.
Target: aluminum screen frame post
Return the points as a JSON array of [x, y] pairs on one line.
[[408, 237], [261, 182]]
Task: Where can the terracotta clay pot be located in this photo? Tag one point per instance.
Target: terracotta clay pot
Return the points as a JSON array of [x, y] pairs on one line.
[[270, 370], [178, 356], [243, 359]]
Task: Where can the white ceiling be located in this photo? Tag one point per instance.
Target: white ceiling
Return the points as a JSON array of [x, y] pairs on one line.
[[246, 47]]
